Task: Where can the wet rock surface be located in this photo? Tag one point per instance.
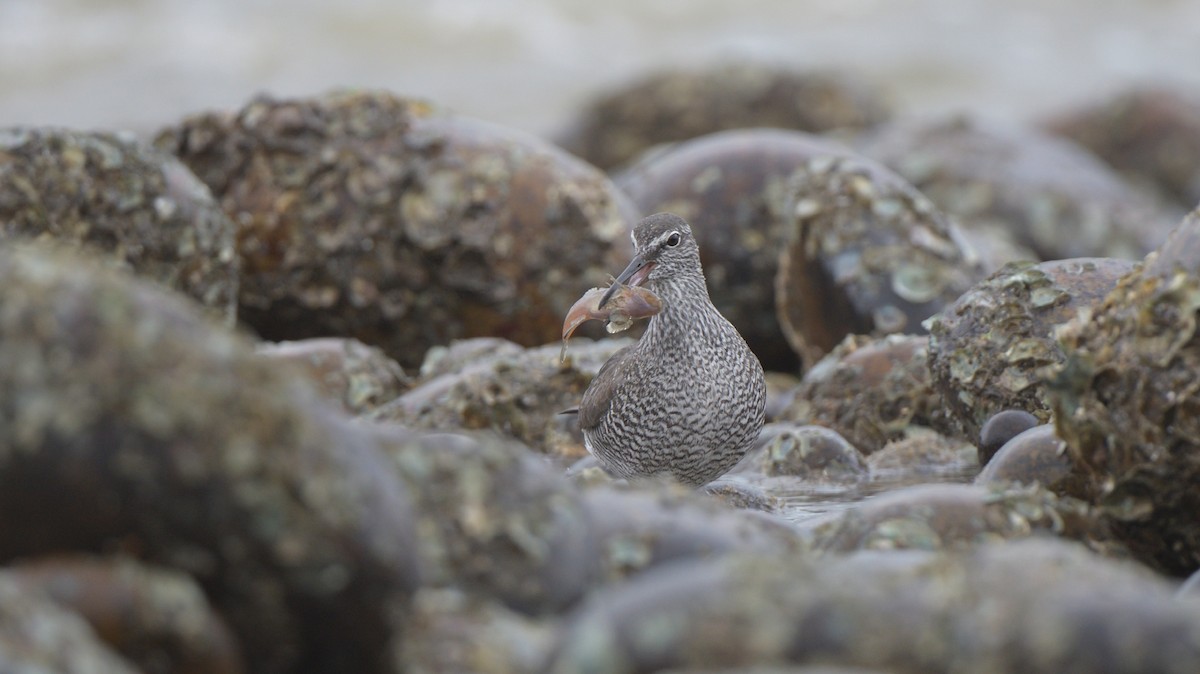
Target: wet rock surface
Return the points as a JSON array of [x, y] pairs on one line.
[[1038, 456], [1125, 401], [922, 453], [638, 529], [865, 253], [1029, 606], [741, 495], [136, 205], [158, 620], [1149, 134], [358, 376], [872, 391], [177, 443], [678, 105], [366, 215], [812, 453], [988, 349], [1052, 195], [1000, 428], [731, 188], [950, 516]]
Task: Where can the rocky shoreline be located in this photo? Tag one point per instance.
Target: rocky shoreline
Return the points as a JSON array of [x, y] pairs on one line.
[[280, 392]]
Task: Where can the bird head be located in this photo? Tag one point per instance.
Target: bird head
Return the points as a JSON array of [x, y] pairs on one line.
[[664, 249]]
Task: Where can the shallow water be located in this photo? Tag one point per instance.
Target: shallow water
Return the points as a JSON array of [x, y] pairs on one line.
[[803, 502], [141, 64]]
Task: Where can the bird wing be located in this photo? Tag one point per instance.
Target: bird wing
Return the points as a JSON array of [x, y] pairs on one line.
[[599, 395]]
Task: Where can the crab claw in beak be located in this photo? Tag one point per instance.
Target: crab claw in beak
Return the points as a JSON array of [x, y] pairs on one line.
[[635, 275], [625, 304]]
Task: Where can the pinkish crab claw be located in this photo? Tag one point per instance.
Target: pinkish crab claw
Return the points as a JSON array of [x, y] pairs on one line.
[[622, 305]]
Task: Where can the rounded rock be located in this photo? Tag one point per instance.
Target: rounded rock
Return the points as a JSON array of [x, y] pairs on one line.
[[457, 355], [1035, 456], [366, 215], [448, 630], [358, 376], [37, 635], [155, 618], [729, 187], [124, 200], [890, 611], [807, 452], [1150, 134], [678, 105], [741, 495], [923, 456], [637, 530], [871, 391], [1053, 196], [519, 394], [949, 516], [174, 440], [1000, 428], [865, 253], [1126, 403], [493, 518], [988, 349]]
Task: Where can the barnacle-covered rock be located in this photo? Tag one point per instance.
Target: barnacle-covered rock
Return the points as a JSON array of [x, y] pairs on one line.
[[1037, 456], [946, 516], [1126, 402], [519, 394], [731, 188], [813, 453], [37, 635], [923, 455], [155, 618], [988, 349], [639, 529], [1150, 134], [493, 518], [1038, 606], [130, 422], [457, 355], [123, 199], [447, 630], [871, 391], [677, 105], [865, 253], [1052, 195], [366, 215], [358, 376]]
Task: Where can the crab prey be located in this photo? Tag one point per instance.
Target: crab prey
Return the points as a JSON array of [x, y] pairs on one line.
[[618, 307]]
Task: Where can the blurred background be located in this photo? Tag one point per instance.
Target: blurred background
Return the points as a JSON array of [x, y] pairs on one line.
[[140, 64]]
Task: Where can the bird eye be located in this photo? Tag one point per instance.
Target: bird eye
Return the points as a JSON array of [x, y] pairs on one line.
[[673, 240]]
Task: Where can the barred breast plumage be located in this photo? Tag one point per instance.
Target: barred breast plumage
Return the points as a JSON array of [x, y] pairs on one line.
[[689, 398]]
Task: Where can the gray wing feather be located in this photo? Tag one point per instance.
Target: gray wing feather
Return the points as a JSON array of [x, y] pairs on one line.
[[599, 395]]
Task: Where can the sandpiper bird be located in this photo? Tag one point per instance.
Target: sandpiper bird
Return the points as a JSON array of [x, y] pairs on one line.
[[688, 399]]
